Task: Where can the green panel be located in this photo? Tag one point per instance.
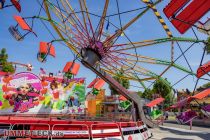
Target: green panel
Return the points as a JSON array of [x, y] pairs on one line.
[[80, 89], [156, 114], [1, 93], [125, 104]]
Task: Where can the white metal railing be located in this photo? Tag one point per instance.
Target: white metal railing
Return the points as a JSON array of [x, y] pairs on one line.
[[72, 132]]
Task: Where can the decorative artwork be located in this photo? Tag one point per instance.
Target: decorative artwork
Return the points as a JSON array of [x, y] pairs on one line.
[[27, 93]]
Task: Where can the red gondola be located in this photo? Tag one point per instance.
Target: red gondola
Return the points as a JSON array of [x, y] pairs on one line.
[[155, 102], [70, 69], [96, 84], [45, 49], [202, 70], [186, 18], [23, 25], [15, 3]]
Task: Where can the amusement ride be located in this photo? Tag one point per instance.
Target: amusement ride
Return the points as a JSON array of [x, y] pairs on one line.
[[102, 43]]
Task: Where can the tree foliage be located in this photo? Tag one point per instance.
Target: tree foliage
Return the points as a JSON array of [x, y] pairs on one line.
[[207, 85], [162, 88], [147, 94], [119, 78], [204, 86], [4, 64]]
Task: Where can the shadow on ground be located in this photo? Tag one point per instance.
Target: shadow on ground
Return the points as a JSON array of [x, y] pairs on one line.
[[168, 138], [202, 135]]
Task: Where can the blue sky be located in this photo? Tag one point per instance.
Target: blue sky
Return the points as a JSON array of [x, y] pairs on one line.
[[146, 27]]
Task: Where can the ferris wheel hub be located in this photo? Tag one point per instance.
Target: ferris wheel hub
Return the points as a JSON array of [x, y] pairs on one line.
[[90, 56], [93, 53]]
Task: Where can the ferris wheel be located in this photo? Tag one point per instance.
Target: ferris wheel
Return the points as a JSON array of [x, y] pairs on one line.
[[105, 37]]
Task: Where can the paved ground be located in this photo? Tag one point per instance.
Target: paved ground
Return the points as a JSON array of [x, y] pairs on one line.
[[180, 132]]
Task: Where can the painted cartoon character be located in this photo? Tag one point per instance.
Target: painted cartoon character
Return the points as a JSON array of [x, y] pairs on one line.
[[73, 100], [23, 99], [54, 88]]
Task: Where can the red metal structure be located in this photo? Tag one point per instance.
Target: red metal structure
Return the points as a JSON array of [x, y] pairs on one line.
[[72, 67], [204, 69], [16, 5], [155, 102], [46, 48], [96, 83], [23, 25], [185, 17]]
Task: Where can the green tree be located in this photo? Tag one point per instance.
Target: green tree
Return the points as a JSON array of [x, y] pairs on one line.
[[204, 86], [119, 78], [4, 64], [163, 88], [3, 56], [148, 94]]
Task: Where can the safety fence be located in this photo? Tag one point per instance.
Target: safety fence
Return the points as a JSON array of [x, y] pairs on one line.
[[83, 130]]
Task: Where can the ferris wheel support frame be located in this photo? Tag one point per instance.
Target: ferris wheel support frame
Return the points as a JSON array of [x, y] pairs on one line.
[[133, 97]]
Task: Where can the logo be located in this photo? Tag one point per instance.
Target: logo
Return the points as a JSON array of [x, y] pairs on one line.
[[24, 78]]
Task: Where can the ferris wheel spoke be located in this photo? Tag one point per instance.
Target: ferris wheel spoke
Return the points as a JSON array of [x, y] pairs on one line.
[[58, 11], [112, 61], [129, 66], [110, 67], [128, 75], [71, 34], [78, 40], [135, 55], [72, 22], [78, 35], [142, 61], [57, 30], [102, 20], [119, 32], [165, 70], [134, 74], [69, 17], [82, 7], [137, 68], [114, 74], [76, 17], [88, 16], [117, 58]]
